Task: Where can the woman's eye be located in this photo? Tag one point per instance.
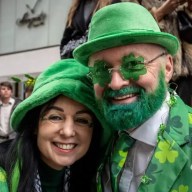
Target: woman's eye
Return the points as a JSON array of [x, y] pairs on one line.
[[83, 122], [55, 118]]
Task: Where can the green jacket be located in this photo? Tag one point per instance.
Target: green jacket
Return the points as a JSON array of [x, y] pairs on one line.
[[170, 169]]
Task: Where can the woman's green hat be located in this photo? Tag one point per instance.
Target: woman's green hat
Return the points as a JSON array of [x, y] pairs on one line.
[[66, 77], [123, 24]]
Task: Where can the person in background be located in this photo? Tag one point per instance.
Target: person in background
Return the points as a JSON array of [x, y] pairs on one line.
[[79, 16], [28, 91], [166, 14], [58, 136], [7, 105], [29, 85], [131, 64]]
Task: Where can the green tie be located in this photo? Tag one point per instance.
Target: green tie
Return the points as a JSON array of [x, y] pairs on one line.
[[118, 156]]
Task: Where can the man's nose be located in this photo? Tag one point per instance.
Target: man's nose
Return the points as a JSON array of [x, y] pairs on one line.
[[117, 80], [68, 128]]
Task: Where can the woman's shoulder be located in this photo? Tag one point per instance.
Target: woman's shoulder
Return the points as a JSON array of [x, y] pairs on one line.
[[4, 148], [3, 180]]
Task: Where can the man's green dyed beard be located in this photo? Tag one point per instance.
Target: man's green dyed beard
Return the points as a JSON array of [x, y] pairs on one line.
[[126, 116]]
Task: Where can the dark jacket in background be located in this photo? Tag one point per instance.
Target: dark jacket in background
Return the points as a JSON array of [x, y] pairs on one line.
[[76, 34]]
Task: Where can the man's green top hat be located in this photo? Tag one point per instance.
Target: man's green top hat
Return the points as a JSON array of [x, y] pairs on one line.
[[123, 24]]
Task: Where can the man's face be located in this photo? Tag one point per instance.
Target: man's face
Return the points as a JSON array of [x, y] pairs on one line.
[[5, 92], [126, 98]]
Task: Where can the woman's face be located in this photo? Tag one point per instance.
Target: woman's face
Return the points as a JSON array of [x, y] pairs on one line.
[[64, 133]]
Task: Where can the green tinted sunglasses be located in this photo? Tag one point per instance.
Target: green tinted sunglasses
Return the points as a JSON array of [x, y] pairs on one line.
[[131, 68]]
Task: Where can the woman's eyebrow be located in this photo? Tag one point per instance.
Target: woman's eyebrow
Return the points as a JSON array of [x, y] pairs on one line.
[[56, 108], [77, 113], [84, 111]]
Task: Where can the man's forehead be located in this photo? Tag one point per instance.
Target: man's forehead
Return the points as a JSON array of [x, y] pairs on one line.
[[113, 53]]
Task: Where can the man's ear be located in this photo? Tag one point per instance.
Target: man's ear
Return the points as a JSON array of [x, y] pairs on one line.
[[168, 68]]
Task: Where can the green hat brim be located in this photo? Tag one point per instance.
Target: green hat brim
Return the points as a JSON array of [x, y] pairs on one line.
[[37, 99], [51, 90], [67, 87], [166, 40]]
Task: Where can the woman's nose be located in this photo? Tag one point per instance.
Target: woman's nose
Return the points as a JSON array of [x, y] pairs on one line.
[[68, 128]]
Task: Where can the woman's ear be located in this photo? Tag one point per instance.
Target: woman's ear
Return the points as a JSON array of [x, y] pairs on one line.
[[168, 68]]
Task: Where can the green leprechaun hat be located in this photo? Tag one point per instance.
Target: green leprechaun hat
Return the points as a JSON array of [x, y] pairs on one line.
[[123, 24]]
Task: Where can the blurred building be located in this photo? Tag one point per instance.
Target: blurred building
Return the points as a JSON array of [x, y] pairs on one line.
[[30, 34]]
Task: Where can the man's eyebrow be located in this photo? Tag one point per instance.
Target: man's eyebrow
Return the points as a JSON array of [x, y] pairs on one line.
[[99, 61]]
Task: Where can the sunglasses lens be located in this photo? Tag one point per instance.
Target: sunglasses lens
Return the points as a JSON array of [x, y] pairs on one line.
[[133, 72], [100, 73], [101, 77]]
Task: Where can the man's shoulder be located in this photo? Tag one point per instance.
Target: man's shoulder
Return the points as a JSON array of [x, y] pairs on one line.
[[189, 109], [16, 101], [11, 101], [182, 104]]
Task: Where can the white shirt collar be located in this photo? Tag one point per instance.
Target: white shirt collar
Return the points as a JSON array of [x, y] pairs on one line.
[[11, 101], [148, 131]]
